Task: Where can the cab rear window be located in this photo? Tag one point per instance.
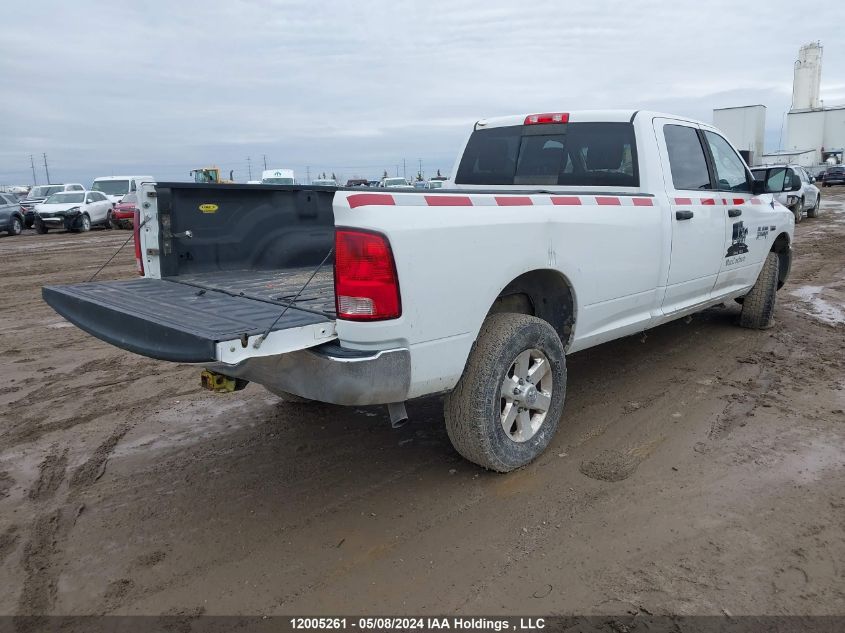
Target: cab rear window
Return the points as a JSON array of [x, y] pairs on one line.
[[571, 154]]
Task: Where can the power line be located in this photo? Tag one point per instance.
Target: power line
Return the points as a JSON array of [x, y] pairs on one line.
[[46, 169]]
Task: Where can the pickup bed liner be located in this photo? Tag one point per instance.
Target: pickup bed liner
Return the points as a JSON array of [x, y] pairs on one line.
[[182, 319]]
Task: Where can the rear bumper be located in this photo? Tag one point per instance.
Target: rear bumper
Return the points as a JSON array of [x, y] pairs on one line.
[[331, 373]]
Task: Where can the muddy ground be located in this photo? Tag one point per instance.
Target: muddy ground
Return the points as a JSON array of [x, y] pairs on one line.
[[698, 470]]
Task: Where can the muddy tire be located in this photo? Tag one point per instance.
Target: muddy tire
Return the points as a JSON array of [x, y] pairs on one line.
[[758, 307], [15, 226], [111, 223], [506, 407], [798, 211], [814, 212], [40, 228], [288, 397], [84, 223]]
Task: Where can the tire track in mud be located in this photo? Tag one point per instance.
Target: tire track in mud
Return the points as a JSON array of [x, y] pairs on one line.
[[42, 554]]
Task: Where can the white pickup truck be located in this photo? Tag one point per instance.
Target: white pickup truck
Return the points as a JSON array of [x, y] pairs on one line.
[[557, 232]]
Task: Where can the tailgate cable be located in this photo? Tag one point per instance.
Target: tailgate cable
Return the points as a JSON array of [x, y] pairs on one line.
[[261, 338], [119, 248]]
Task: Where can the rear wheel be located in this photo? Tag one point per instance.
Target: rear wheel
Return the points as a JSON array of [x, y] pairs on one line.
[[111, 223], [40, 227], [758, 306], [15, 226], [506, 407]]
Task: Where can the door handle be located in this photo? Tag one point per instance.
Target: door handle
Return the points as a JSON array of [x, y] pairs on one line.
[[734, 213], [683, 215]]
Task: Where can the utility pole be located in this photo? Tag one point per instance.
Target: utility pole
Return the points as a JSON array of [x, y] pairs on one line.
[[32, 163], [265, 162], [46, 169], [397, 169], [307, 175], [404, 171], [249, 167], [420, 172]]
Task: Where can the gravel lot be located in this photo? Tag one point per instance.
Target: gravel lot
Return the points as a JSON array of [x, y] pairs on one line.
[[698, 470]]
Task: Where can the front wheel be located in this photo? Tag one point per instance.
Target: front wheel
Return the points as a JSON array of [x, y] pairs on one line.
[[15, 226], [85, 223], [798, 211], [40, 227], [506, 407], [111, 223], [814, 212], [758, 306]]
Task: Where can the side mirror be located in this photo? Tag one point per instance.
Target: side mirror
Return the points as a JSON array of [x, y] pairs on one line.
[[812, 179]]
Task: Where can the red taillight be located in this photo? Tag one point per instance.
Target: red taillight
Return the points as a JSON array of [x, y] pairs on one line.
[[365, 283], [136, 231], [548, 117]]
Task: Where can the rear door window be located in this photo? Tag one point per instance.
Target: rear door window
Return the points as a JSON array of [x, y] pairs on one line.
[[572, 154], [686, 158]]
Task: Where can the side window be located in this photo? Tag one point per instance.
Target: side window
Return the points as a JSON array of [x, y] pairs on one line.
[[731, 174], [76, 188], [686, 157], [776, 179], [90, 197]]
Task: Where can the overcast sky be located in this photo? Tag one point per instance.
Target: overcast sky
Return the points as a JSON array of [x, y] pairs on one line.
[[160, 87]]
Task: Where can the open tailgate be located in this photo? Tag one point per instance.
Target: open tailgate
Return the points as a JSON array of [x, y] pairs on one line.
[[179, 322]]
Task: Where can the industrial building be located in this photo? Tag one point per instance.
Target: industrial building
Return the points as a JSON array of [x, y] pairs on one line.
[[815, 133]]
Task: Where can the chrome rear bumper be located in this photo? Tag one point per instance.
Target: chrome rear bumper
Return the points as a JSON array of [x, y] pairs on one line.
[[331, 373]]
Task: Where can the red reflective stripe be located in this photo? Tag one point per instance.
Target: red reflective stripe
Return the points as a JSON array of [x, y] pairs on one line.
[[708, 201], [683, 200], [739, 200], [448, 201], [607, 201], [364, 199], [513, 201], [642, 202], [566, 200]]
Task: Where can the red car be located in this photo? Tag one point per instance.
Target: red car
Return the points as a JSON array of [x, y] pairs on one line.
[[124, 212]]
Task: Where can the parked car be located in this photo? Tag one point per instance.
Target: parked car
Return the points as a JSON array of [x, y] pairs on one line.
[[38, 194], [324, 182], [73, 211], [795, 187], [559, 232], [123, 214], [434, 184], [834, 175], [395, 183], [357, 182], [115, 187], [11, 216]]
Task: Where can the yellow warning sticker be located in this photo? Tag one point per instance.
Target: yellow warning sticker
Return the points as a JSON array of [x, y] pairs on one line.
[[209, 208]]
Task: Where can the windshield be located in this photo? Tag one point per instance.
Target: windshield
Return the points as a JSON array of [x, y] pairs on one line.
[[65, 198], [111, 187], [393, 182], [435, 184], [44, 191], [277, 181]]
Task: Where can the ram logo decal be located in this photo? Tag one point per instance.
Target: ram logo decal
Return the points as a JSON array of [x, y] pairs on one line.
[[208, 208]]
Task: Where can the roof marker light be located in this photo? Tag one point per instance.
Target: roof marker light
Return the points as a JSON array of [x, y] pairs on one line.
[[548, 117]]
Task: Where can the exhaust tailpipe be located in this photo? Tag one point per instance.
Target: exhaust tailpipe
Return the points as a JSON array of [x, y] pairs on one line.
[[398, 414]]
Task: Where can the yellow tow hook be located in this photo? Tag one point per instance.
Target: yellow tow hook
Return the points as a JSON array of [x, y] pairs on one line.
[[219, 383]]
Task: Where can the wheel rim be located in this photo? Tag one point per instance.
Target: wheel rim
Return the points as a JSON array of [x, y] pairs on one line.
[[16, 226], [86, 223], [526, 395]]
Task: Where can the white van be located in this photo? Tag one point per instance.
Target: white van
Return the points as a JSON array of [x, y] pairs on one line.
[[115, 187], [277, 177]]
